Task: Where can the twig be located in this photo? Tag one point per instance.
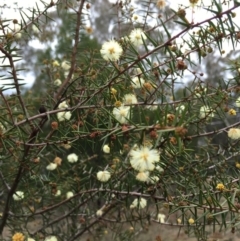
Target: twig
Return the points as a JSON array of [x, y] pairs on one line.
[[74, 51]]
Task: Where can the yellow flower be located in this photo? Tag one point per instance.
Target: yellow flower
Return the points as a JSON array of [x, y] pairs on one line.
[[232, 112], [220, 187], [191, 221], [113, 91], [238, 165], [18, 237]]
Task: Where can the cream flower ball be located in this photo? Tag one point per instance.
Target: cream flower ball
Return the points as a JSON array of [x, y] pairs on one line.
[[139, 203], [111, 50], [51, 166], [72, 158], [65, 65], [129, 99], [205, 111], [103, 176], [122, 113], [99, 213], [234, 133], [142, 176], [137, 36], [63, 105], [69, 194], [144, 159], [62, 116], [18, 195], [106, 149], [57, 82]]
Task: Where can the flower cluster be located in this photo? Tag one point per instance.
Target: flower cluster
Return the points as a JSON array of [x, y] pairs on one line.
[[112, 51], [139, 203], [64, 115], [206, 112]]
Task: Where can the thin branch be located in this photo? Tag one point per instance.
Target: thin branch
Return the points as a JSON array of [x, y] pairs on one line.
[[15, 79], [65, 215], [74, 51]]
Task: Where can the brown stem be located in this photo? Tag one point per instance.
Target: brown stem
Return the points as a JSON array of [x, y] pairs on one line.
[[74, 52]]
